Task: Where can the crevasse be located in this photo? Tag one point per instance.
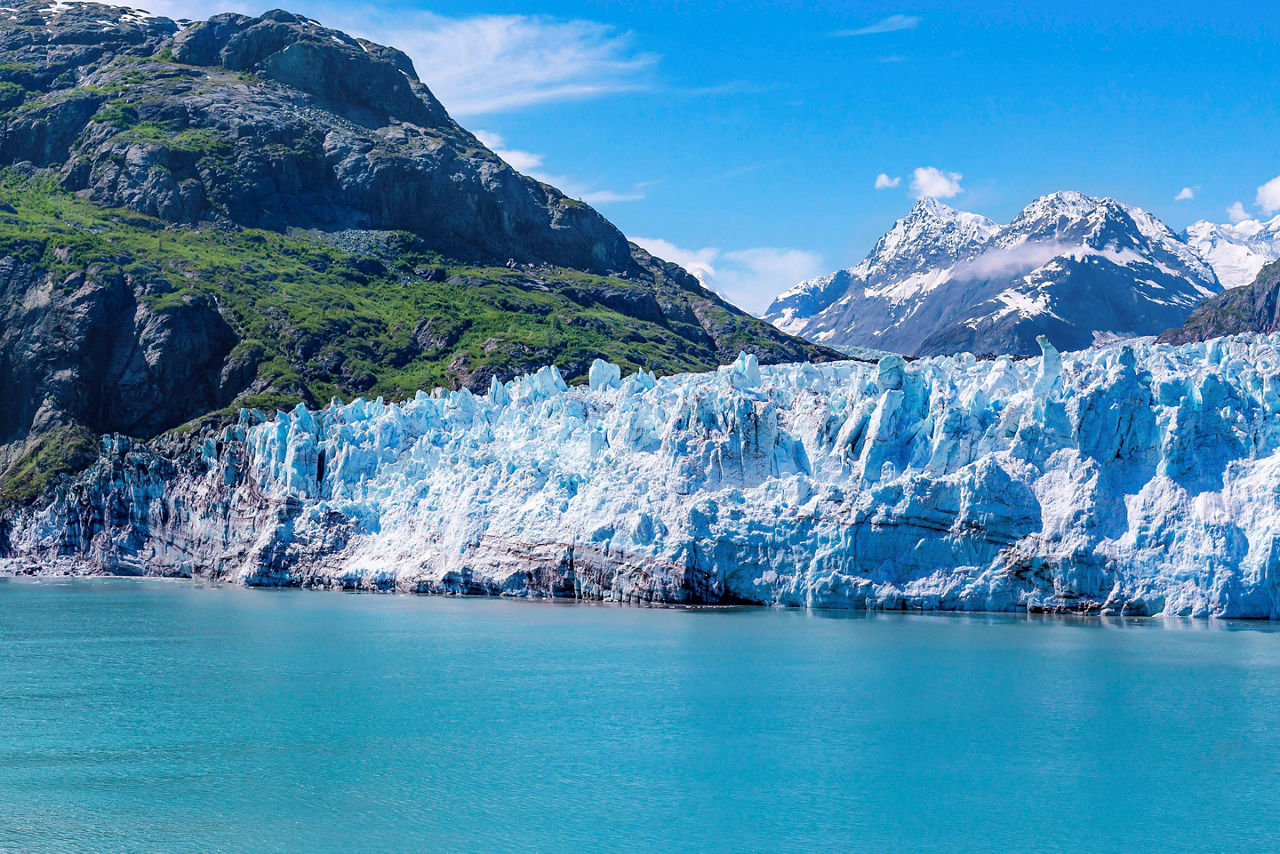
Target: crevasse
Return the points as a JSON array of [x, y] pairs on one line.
[[1136, 479]]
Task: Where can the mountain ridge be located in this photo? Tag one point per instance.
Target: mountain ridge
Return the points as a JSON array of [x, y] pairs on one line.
[[1236, 251], [1073, 266], [297, 219]]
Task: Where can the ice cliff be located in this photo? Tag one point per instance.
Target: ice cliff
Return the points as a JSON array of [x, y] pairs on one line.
[[1136, 479]]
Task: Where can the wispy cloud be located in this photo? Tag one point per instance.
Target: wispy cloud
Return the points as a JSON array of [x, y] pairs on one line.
[[700, 262], [891, 24], [884, 182], [739, 171], [931, 181], [1236, 212], [748, 278], [527, 162], [492, 63], [1268, 197], [605, 197], [1005, 262], [1187, 193], [530, 163]]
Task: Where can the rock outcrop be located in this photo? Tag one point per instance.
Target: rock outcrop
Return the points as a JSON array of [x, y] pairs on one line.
[[273, 122]]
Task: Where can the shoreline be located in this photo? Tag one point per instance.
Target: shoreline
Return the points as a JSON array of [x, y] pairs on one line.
[[1023, 614]]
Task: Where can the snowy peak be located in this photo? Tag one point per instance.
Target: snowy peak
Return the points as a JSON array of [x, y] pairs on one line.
[[1236, 251], [930, 210], [932, 233], [932, 236], [1098, 222], [1066, 205], [931, 217], [941, 280]]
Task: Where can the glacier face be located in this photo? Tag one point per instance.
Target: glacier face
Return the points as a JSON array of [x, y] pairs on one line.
[[1135, 479]]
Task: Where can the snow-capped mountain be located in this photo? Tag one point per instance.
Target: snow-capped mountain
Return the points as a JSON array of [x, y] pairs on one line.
[[1077, 268], [1236, 252]]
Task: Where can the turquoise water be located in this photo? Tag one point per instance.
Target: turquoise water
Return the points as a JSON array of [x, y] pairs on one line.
[[168, 716]]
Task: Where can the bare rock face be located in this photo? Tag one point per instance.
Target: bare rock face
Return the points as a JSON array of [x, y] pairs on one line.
[[276, 122], [85, 351]]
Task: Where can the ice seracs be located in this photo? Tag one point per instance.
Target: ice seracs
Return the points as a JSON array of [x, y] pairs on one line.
[[1136, 479]]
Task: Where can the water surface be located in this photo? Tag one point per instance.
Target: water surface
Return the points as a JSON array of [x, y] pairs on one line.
[[170, 716]]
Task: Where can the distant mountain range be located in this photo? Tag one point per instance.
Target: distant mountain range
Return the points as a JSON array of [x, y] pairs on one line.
[[1236, 251], [1077, 268]]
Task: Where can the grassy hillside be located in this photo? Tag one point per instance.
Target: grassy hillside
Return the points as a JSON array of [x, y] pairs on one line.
[[320, 320]]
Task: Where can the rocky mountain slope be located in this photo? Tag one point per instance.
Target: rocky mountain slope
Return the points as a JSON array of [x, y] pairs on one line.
[[263, 211], [1119, 480], [1248, 310], [1237, 252], [1073, 267]]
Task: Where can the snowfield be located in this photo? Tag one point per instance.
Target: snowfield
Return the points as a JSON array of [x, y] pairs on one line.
[[1135, 478]]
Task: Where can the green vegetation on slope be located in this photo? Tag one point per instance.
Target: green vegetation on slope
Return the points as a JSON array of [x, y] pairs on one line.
[[320, 321], [61, 451]]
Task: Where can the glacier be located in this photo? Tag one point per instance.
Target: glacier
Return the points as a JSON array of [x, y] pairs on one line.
[[1136, 478]]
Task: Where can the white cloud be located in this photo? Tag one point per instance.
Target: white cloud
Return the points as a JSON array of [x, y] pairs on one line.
[[697, 261], [1268, 197], [1186, 193], [494, 63], [1237, 213], [1006, 262], [883, 181], [522, 161], [604, 197], [530, 163], [891, 24], [748, 278], [929, 181]]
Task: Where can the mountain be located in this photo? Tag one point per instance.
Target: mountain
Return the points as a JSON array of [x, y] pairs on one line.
[[1130, 479], [907, 261], [260, 211], [1236, 252], [1073, 267], [1247, 310]]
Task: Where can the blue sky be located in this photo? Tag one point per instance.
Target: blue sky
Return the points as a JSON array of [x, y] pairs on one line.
[[746, 139]]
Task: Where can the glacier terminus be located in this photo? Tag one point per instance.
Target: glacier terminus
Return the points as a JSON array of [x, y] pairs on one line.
[[1136, 479]]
